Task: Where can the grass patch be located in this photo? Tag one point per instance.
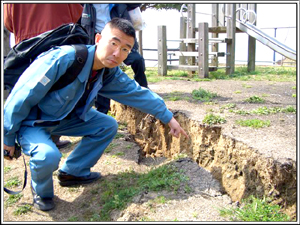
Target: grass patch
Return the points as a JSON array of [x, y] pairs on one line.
[[247, 86], [203, 95], [118, 154], [265, 110], [228, 106], [254, 99], [213, 119], [119, 135], [7, 169], [110, 147], [23, 209], [261, 73], [180, 156], [73, 219], [122, 125], [12, 199], [254, 123], [256, 210], [176, 96], [120, 190], [12, 182], [158, 200]]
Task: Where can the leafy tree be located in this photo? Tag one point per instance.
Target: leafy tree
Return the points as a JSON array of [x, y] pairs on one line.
[[145, 6]]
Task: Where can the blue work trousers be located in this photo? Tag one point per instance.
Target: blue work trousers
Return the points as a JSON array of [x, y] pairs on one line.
[[97, 133]]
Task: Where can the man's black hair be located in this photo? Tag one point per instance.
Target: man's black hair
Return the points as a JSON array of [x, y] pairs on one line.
[[123, 25]]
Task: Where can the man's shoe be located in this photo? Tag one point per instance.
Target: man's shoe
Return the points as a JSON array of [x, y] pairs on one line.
[[67, 180], [44, 204], [60, 143]]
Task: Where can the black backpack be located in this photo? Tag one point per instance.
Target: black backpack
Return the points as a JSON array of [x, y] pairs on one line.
[[24, 53]]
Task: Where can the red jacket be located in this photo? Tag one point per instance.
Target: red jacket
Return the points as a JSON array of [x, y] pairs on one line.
[[29, 20]]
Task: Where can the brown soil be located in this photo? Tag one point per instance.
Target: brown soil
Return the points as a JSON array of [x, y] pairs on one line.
[[225, 162]]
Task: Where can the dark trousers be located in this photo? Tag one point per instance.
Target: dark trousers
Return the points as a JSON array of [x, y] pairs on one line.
[[137, 63]]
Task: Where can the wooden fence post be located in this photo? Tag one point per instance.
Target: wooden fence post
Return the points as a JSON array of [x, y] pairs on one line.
[[191, 33], [230, 29], [251, 43], [214, 23], [203, 50], [182, 35], [162, 50]]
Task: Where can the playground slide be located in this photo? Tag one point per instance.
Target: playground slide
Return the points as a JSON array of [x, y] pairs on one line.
[[262, 37]]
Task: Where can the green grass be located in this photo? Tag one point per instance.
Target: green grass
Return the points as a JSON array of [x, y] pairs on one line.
[[264, 110], [118, 154], [255, 99], [228, 106], [122, 125], [12, 199], [7, 169], [203, 95], [73, 219], [110, 147], [23, 209], [117, 192], [119, 135], [261, 73], [211, 119], [247, 86], [176, 96], [12, 182], [255, 210], [254, 123]]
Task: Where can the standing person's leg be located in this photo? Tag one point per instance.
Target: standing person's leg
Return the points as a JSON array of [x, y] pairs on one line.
[[60, 143], [102, 104], [137, 63]]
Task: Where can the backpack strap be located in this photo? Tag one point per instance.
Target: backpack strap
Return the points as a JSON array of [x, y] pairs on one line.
[[18, 148], [81, 54]]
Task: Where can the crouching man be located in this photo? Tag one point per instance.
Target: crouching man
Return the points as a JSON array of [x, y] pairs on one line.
[[32, 114]]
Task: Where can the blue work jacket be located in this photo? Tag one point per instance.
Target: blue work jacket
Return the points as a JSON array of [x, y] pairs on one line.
[[31, 93]]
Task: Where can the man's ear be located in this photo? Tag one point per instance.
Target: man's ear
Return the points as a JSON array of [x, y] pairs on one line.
[[97, 38]]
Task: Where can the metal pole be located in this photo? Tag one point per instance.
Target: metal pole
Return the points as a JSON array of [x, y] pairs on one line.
[[162, 50], [275, 29]]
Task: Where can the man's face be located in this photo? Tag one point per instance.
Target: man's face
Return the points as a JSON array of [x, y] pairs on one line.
[[113, 47]]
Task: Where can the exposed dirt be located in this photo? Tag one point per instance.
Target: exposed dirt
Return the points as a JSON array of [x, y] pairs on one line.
[[225, 162], [245, 160], [200, 203]]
